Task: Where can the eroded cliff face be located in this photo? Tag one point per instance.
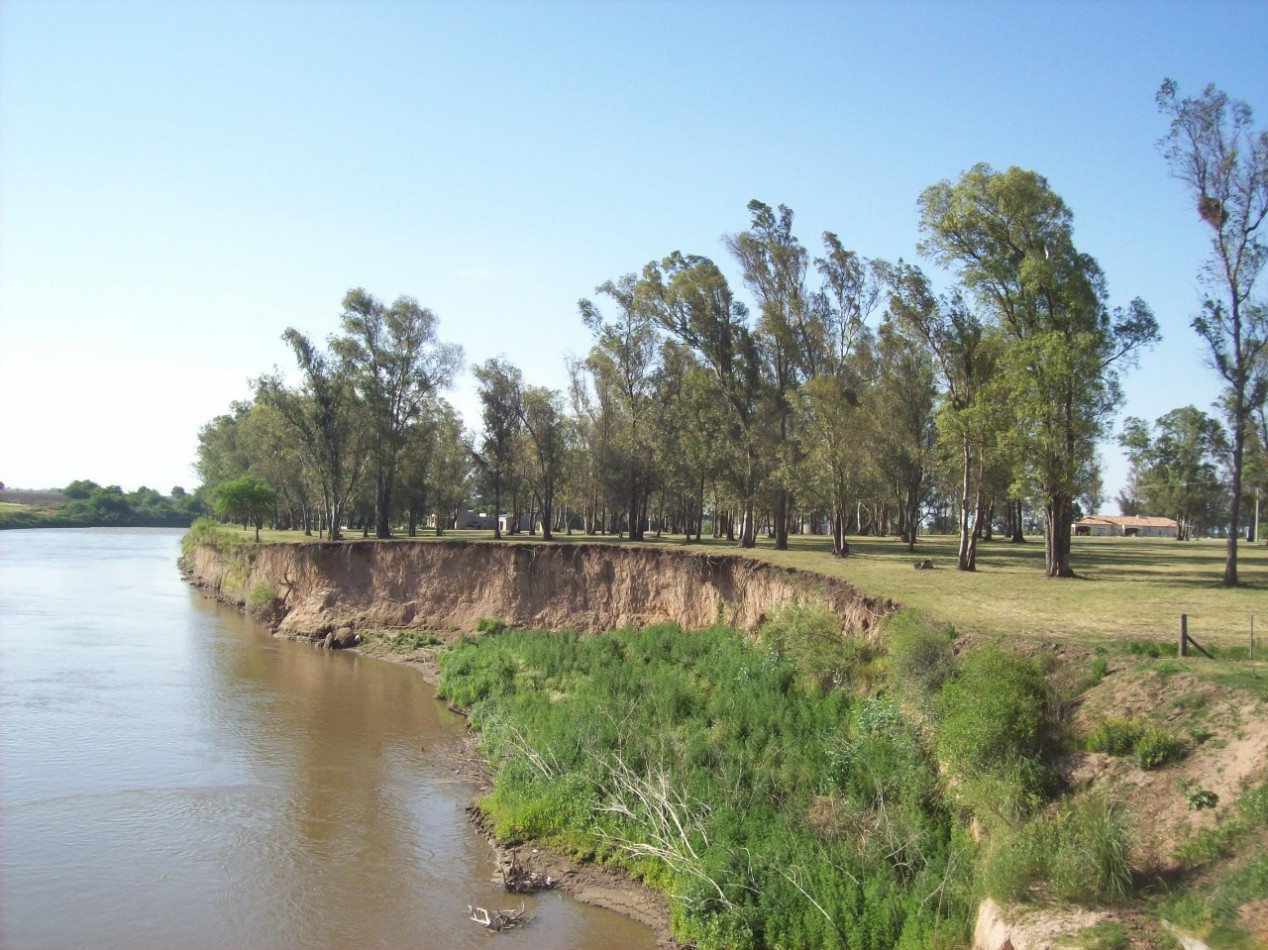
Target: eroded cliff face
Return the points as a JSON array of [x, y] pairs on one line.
[[308, 590]]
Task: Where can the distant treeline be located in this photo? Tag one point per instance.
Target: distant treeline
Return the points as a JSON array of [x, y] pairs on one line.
[[85, 504]]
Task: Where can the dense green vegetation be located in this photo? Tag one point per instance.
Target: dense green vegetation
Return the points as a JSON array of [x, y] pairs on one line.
[[806, 789], [85, 504], [785, 793]]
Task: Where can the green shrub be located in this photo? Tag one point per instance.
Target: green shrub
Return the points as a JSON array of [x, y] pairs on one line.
[[1156, 748], [262, 594], [993, 717], [1115, 736], [1079, 851], [921, 657], [492, 625], [811, 637], [1201, 798], [1149, 746]]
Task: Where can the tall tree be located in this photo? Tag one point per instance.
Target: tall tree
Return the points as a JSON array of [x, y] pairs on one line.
[[324, 414], [902, 416], [623, 362], [1010, 237], [541, 413], [689, 297], [499, 386], [966, 351], [1212, 147], [247, 497], [838, 353], [397, 363], [774, 264]]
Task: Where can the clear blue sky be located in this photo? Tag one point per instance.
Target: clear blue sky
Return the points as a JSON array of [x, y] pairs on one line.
[[181, 180]]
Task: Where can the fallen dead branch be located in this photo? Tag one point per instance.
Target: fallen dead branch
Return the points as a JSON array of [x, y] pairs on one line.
[[499, 920]]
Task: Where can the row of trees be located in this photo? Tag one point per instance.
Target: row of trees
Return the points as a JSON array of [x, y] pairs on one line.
[[854, 397]]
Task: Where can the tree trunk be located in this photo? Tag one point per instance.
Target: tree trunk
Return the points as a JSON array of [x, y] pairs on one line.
[[783, 510], [965, 556], [1058, 517], [497, 509], [1235, 499], [383, 505]]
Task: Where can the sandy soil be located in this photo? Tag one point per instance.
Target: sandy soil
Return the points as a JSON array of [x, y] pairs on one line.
[[1232, 755]]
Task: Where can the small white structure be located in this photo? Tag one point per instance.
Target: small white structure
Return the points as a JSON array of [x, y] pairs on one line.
[[1126, 526], [506, 523]]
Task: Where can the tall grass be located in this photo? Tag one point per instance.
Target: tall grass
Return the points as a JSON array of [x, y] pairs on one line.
[[777, 807]]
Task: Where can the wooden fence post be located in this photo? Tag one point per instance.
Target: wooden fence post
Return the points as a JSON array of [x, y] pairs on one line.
[[1184, 634]]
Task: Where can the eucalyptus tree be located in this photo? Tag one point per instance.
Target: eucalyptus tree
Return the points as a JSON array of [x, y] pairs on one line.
[[592, 426], [543, 419], [275, 457], [1175, 466], [901, 411], [397, 363], [774, 264], [966, 352], [852, 287], [325, 414], [688, 297], [838, 348], [622, 364], [222, 452], [413, 493], [1093, 495], [1010, 237], [499, 385], [434, 467], [693, 449], [839, 454], [1214, 150]]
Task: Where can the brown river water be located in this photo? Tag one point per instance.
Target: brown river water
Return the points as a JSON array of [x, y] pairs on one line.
[[172, 776]]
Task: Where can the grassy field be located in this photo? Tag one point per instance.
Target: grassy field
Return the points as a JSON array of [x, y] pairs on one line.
[[1127, 588]]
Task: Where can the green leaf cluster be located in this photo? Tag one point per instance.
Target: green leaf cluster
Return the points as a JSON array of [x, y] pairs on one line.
[[1149, 746]]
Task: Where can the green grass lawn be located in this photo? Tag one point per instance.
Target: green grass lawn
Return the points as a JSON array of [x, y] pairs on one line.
[[1129, 588]]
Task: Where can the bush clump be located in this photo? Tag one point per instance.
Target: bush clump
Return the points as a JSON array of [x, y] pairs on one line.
[[1079, 852], [262, 595], [811, 638], [1149, 746], [993, 725], [921, 656]]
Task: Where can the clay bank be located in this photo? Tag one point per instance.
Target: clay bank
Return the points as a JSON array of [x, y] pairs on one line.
[[314, 590]]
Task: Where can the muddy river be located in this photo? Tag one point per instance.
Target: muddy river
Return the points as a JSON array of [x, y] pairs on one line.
[[172, 776]]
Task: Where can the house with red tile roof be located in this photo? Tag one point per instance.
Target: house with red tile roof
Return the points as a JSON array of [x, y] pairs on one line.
[[1127, 526]]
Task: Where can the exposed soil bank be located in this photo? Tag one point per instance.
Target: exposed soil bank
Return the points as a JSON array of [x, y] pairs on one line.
[[312, 589]]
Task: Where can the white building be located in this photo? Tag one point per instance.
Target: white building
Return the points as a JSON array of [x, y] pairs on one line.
[[1126, 526]]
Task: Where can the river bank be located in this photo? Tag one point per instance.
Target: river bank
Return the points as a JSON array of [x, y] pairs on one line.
[[312, 589], [588, 883], [328, 592]]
